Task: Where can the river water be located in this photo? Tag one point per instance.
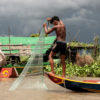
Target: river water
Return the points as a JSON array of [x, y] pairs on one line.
[[54, 92]]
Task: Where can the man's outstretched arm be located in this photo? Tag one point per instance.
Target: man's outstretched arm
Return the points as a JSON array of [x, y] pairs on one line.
[[47, 31]]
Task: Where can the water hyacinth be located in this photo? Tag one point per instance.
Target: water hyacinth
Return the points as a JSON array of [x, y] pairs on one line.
[[92, 70]]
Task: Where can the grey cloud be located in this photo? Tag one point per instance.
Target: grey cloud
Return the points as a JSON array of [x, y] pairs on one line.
[[27, 16]]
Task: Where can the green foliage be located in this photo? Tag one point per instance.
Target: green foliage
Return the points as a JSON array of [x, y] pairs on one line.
[[23, 59], [76, 44], [7, 66], [92, 70], [35, 35], [96, 39]]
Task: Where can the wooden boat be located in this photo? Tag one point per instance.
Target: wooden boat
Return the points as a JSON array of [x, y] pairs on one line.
[[79, 86]]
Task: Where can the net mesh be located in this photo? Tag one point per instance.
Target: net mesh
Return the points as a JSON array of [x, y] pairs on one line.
[[32, 74]]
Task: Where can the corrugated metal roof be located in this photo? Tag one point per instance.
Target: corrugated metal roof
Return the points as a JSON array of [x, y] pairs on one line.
[[24, 41]]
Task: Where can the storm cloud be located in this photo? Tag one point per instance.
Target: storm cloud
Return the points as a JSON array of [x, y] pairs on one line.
[[81, 17]]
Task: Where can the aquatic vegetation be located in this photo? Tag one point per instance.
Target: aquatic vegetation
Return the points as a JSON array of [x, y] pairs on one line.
[[79, 44], [92, 70]]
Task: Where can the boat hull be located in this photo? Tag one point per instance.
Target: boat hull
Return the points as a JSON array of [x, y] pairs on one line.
[[79, 86]]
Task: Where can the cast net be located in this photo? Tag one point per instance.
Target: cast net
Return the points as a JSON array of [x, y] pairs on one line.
[[32, 74]]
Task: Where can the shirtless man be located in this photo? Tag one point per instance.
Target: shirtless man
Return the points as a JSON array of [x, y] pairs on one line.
[[60, 44]]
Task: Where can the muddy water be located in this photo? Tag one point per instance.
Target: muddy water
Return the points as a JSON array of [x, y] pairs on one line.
[[54, 92]]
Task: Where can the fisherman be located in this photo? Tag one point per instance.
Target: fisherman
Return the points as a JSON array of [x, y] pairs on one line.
[[60, 44]]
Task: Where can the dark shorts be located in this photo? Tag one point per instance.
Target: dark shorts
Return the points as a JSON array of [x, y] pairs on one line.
[[59, 47]]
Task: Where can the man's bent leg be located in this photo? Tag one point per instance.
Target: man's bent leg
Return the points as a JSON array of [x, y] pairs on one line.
[[63, 65], [51, 61]]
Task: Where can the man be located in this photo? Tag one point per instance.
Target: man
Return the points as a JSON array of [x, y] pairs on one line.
[[60, 44]]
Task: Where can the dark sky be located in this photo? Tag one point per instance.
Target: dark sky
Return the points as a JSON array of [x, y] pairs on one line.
[[81, 17]]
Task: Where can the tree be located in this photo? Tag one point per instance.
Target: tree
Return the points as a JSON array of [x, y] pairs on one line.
[[35, 35]]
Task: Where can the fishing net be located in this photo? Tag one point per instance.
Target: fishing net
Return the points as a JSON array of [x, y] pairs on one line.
[[32, 74]]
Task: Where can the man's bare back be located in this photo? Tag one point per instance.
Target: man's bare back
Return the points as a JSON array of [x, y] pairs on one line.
[[60, 31]]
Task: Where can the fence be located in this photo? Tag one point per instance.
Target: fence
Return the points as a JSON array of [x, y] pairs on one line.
[[18, 50]]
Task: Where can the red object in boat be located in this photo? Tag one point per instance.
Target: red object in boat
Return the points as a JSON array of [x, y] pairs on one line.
[[8, 73], [92, 81]]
